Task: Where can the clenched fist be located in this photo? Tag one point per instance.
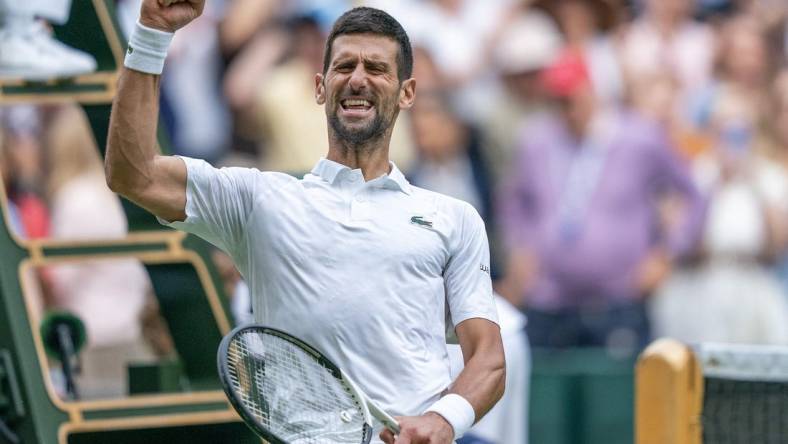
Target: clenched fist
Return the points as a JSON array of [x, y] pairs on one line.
[[429, 428], [170, 15]]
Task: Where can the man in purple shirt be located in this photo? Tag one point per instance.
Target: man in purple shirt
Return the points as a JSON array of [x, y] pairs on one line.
[[579, 214]]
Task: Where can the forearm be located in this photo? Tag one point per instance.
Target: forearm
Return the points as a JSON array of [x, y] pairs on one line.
[[482, 381], [480, 385], [133, 165], [131, 144]]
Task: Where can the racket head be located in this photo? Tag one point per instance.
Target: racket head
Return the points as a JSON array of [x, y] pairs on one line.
[[287, 391]]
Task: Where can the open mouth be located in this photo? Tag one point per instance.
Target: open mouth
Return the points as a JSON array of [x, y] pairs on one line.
[[356, 106]]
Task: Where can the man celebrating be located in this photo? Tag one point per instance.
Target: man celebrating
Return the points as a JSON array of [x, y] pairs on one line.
[[374, 272]]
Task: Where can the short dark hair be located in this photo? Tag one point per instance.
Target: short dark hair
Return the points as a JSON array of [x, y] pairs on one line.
[[364, 20]]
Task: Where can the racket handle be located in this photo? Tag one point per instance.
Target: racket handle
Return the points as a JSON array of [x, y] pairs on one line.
[[387, 420]]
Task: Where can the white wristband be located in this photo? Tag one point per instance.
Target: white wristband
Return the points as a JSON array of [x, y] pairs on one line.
[[147, 49], [457, 411]]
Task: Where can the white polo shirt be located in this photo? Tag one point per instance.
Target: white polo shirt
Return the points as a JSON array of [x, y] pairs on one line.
[[370, 273]]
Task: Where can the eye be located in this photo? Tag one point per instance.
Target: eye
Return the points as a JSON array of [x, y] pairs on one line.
[[344, 68], [376, 69]]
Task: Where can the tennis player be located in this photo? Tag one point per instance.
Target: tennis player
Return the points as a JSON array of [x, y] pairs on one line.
[[376, 273]]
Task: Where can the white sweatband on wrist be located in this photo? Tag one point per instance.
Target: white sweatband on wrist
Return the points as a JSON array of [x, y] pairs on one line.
[[457, 411], [147, 49]]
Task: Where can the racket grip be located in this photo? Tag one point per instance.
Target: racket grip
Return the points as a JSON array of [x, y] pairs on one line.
[[387, 420]]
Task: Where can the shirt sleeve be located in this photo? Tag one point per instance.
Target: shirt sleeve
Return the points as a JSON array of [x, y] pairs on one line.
[[218, 203], [467, 275]]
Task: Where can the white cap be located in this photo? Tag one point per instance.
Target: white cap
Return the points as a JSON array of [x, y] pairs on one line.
[[529, 43]]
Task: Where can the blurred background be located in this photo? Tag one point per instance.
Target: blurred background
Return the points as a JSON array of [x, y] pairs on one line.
[[629, 158]]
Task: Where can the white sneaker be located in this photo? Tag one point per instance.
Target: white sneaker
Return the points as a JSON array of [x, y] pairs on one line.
[[34, 54]]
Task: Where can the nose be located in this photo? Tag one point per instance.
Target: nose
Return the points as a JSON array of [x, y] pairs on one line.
[[358, 78]]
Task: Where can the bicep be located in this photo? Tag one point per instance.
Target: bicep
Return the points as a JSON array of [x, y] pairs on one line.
[[165, 195], [480, 337]]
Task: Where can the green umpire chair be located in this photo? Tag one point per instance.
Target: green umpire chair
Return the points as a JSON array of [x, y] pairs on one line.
[[193, 409]]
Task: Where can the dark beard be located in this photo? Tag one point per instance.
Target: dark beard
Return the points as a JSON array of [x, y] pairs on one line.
[[359, 137]]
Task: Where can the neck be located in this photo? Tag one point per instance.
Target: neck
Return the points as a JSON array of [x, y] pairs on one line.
[[371, 157]]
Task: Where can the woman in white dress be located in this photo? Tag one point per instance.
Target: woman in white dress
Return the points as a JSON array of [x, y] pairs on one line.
[[733, 295]]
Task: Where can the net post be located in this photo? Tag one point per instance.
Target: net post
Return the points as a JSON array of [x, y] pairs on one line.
[[668, 395]]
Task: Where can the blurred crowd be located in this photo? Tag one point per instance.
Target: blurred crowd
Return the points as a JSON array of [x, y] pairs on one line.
[[630, 158]]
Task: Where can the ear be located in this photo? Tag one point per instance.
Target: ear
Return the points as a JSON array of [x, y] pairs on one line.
[[320, 89], [407, 93]]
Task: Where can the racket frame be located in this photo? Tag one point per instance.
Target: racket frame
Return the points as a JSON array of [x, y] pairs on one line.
[[368, 407]]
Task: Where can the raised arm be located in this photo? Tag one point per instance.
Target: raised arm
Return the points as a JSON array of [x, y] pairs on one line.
[[134, 167]]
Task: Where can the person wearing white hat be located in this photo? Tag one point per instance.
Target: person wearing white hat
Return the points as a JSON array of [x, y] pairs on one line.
[[527, 44]]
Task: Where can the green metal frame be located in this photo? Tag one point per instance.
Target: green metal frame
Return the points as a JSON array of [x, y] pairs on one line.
[[25, 402]]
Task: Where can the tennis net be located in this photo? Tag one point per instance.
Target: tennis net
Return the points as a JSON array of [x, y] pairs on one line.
[[745, 396], [712, 394]]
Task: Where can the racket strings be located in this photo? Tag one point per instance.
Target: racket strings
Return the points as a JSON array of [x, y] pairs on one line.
[[290, 393]]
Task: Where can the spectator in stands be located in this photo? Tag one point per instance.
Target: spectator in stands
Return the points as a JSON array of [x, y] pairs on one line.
[[740, 88], [253, 43], [732, 295], [449, 154], [525, 46], [292, 136], [22, 171], [665, 37], [459, 34], [107, 294], [192, 81], [578, 215], [772, 16], [24, 155], [424, 68], [243, 22], [450, 160], [589, 26]]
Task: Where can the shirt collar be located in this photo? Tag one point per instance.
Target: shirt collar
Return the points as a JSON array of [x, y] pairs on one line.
[[331, 171]]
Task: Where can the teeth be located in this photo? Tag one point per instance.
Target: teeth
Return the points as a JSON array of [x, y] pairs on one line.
[[356, 102]]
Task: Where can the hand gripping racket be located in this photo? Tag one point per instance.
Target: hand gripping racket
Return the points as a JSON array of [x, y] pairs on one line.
[[290, 393]]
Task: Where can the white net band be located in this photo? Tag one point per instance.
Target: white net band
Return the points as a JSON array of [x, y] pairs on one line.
[[743, 362]]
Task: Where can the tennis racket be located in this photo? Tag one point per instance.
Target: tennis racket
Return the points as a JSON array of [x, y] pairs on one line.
[[290, 393]]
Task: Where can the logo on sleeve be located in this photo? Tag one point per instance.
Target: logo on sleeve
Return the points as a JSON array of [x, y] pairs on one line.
[[484, 268]]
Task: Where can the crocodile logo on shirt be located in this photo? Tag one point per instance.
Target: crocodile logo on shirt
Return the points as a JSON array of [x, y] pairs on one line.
[[419, 220]]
